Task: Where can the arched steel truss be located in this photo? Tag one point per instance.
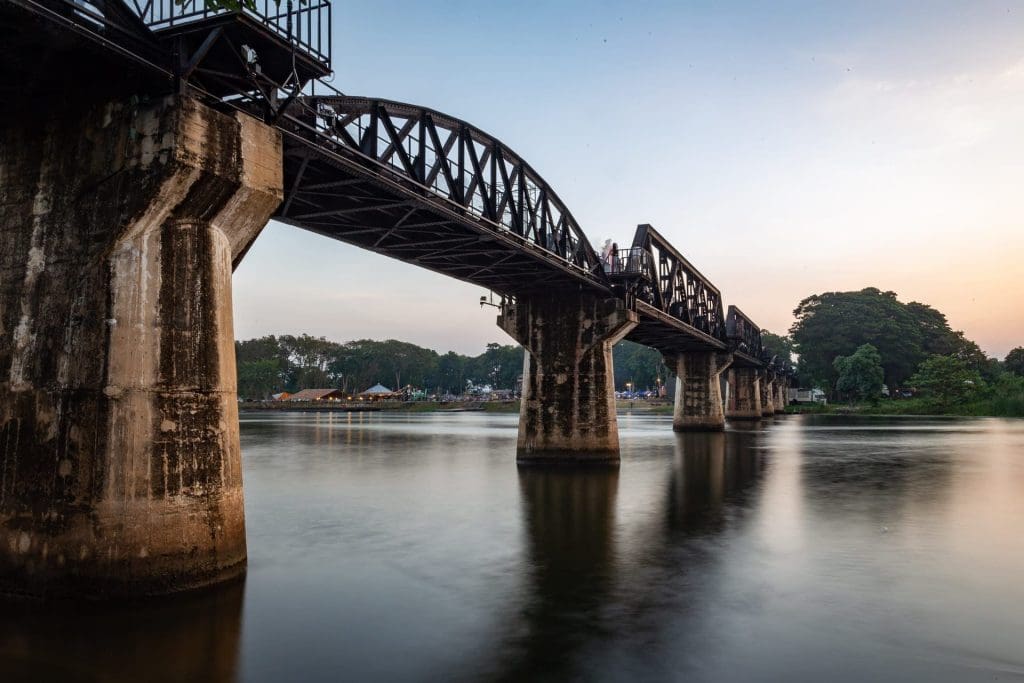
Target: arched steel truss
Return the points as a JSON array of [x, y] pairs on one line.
[[744, 337], [670, 292], [423, 186]]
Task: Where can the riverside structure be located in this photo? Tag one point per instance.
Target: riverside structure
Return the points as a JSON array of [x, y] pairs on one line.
[[143, 150]]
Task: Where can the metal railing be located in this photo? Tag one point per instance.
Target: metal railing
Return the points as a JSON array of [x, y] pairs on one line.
[[306, 24], [632, 261]]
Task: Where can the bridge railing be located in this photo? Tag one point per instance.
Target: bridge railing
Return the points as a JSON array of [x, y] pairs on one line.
[[743, 334], [673, 285], [306, 24], [632, 262]]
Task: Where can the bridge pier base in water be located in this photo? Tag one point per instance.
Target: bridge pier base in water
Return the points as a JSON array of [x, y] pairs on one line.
[[120, 467], [568, 398], [780, 395], [698, 400], [744, 394], [767, 387]]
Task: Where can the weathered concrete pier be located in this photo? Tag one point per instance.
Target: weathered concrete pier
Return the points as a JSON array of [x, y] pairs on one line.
[[698, 398], [120, 468], [568, 400]]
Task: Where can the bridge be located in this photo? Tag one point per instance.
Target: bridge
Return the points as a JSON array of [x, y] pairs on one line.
[[144, 147]]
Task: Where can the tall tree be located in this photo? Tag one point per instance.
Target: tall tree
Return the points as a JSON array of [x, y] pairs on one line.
[[777, 345], [946, 381], [860, 374], [1015, 361], [638, 365], [837, 323]]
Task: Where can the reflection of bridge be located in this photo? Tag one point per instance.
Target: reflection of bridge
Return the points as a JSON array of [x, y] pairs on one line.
[[145, 147]]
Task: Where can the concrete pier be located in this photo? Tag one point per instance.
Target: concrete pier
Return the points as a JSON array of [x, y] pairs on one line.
[[568, 401], [698, 400], [781, 389], [120, 470], [767, 387], [744, 394]]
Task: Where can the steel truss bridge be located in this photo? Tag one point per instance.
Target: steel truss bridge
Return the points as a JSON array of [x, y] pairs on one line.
[[395, 178]]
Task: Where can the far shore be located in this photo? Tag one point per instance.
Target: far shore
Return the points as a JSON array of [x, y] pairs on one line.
[[511, 406]]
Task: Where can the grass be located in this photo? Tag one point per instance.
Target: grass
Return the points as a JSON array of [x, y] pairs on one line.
[[999, 405]]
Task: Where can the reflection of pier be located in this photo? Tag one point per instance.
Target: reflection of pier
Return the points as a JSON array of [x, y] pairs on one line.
[[710, 469], [569, 519], [586, 581], [188, 638]]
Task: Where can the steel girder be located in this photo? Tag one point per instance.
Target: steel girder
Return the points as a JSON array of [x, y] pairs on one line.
[[425, 187]]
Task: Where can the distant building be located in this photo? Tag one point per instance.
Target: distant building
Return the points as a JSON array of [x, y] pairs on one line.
[[312, 395], [283, 396], [377, 392]]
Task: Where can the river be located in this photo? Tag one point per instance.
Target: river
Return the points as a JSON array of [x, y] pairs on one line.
[[385, 546]]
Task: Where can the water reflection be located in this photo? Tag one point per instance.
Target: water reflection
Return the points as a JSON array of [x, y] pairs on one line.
[[193, 637], [393, 547], [708, 470], [568, 517]]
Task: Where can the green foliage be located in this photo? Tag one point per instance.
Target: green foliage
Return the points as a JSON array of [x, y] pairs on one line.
[[836, 323], [776, 345], [1005, 398], [946, 381], [271, 364], [860, 374], [639, 365], [258, 378], [1014, 361]]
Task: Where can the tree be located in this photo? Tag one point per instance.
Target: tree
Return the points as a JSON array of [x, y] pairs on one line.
[[946, 381], [860, 374], [451, 373], [1014, 361], [837, 323], [640, 365], [258, 379], [775, 345], [936, 337]]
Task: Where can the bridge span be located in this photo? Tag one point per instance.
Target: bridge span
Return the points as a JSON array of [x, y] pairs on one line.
[[144, 148]]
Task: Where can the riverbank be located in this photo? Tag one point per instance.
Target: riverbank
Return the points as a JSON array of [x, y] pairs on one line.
[[621, 406], [382, 406], [994, 407]]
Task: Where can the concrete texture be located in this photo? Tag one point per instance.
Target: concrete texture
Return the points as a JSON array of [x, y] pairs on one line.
[[767, 387], [698, 400], [568, 406], [744, 394], [120, 469], [781, 388]]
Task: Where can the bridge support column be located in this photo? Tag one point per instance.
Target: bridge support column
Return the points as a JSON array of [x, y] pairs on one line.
[[698, 403], [744, 394], [120, 467], [767, 387], [568, 402], [780, 395]]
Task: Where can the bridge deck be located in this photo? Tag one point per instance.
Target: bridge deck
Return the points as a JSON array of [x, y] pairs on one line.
[[668, 334]]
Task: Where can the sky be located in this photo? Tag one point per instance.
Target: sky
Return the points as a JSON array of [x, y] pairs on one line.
[[786, 149]]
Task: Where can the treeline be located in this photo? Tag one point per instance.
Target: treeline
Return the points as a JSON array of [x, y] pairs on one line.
[[272, 364], [639, 366], [850, 344]]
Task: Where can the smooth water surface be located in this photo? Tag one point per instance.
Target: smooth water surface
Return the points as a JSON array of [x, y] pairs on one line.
[[410, 547]]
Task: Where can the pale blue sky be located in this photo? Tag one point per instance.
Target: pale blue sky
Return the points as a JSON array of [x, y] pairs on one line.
[[785, 148]]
